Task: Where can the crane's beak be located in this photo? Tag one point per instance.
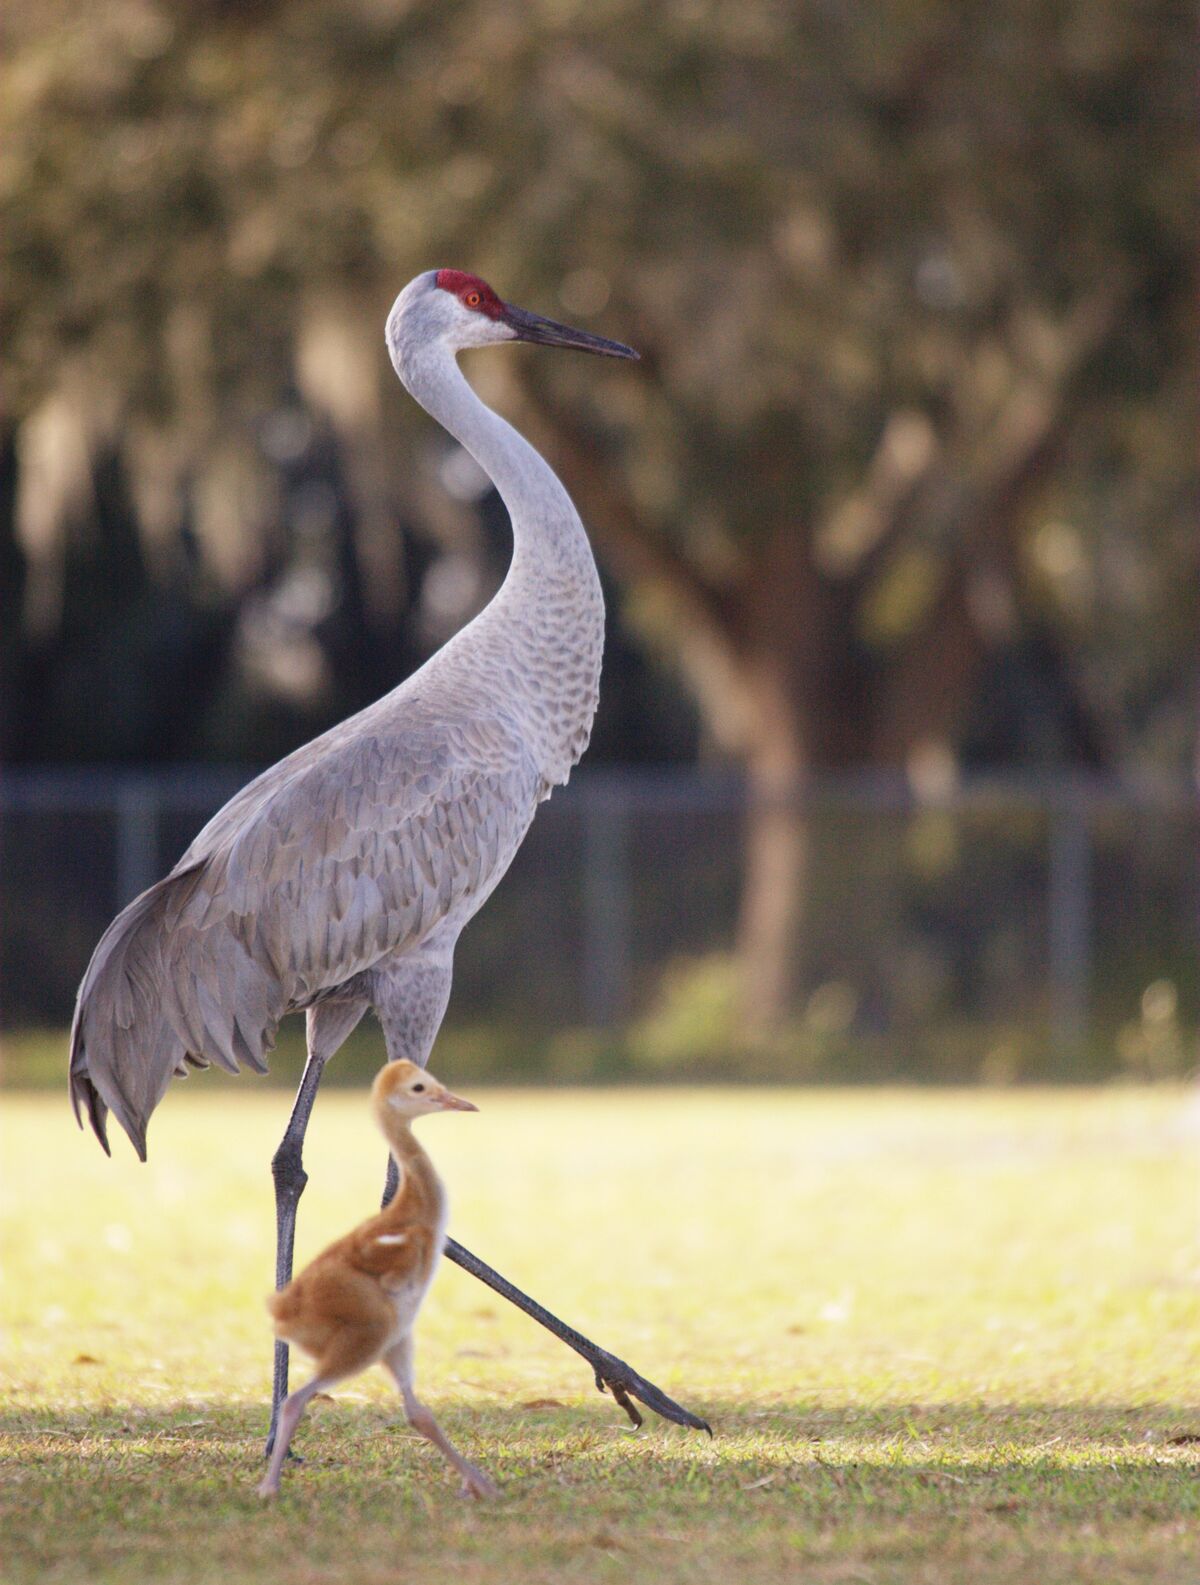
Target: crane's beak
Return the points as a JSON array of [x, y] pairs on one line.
[[532, 327]]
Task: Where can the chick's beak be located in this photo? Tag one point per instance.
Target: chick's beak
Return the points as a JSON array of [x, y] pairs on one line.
[[532, 327], [450, 1102]]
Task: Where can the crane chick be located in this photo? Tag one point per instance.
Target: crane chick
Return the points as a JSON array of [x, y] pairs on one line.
[[357, 1301]]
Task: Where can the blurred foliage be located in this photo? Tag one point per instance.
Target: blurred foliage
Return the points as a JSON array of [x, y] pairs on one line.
[[854, 242], [695, 1017], [905, 477]]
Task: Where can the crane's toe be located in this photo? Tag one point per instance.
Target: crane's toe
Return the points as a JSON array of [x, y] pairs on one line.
[[615, 1376]]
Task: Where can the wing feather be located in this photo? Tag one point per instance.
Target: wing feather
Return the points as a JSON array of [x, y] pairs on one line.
[[311, 874]]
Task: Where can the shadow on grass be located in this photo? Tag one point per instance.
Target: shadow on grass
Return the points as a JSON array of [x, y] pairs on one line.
[[747, 1435], [987, 1492]]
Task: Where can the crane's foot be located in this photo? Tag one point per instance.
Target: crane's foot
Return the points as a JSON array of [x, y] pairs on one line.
[[612, 1374], [290, 1457], [615, 1376]]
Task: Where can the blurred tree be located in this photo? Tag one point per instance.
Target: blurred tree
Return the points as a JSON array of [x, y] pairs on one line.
[[911, 282]]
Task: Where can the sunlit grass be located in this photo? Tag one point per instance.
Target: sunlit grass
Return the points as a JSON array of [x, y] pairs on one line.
[[939, 1335]]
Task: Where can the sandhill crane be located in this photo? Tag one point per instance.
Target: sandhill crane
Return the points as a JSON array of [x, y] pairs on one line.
[[341, 878], [355, 1304]]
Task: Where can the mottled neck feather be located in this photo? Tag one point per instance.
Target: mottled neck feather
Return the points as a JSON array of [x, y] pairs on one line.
[[419, 1195], [548, 617]]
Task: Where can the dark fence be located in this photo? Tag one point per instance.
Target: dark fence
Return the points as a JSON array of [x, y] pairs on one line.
[[1066, 913]]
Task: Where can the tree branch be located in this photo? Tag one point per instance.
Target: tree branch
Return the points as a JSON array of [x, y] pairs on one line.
[[970, 505]]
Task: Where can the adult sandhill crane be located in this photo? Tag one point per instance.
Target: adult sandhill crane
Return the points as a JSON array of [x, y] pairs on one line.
[[355, 1304], [340, 878]]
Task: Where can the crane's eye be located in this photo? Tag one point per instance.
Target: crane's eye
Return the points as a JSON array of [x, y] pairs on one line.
[[417, 1088], [472, 299]]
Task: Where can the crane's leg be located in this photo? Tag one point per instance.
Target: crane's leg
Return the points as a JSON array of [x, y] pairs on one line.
[[328, 1025], [399, 1361], [391, 1183], [410, 995], [610, 1372]]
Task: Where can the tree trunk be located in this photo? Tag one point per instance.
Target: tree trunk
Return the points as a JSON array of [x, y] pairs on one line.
[[775, 847], [12, 590], [774, 891], [780, 654]]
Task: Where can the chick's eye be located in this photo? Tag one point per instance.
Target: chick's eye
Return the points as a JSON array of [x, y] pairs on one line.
[[417, 1088], [472, 299]]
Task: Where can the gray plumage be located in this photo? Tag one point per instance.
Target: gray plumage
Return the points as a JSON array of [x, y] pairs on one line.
[[342, 877]]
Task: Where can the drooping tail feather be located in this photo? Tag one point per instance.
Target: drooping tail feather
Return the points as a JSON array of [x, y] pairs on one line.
[[160, 995]]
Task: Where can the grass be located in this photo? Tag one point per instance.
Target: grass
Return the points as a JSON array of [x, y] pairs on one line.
[[940, 1335]]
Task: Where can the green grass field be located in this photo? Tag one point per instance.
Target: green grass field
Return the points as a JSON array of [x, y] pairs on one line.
[[941, 1336]]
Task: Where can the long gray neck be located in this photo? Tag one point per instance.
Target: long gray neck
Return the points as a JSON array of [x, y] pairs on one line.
[[545, 627], [539, 506]]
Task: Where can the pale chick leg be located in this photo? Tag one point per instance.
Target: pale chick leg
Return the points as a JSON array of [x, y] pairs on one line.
[[399, 1361], [290, 1413]]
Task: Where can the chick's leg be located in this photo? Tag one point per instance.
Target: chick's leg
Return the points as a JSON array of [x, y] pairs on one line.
[[399, 1361], [289, 1418]]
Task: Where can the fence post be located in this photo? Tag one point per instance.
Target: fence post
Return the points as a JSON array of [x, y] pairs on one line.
[[605, 902], [136, 808], [1070, 921]]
